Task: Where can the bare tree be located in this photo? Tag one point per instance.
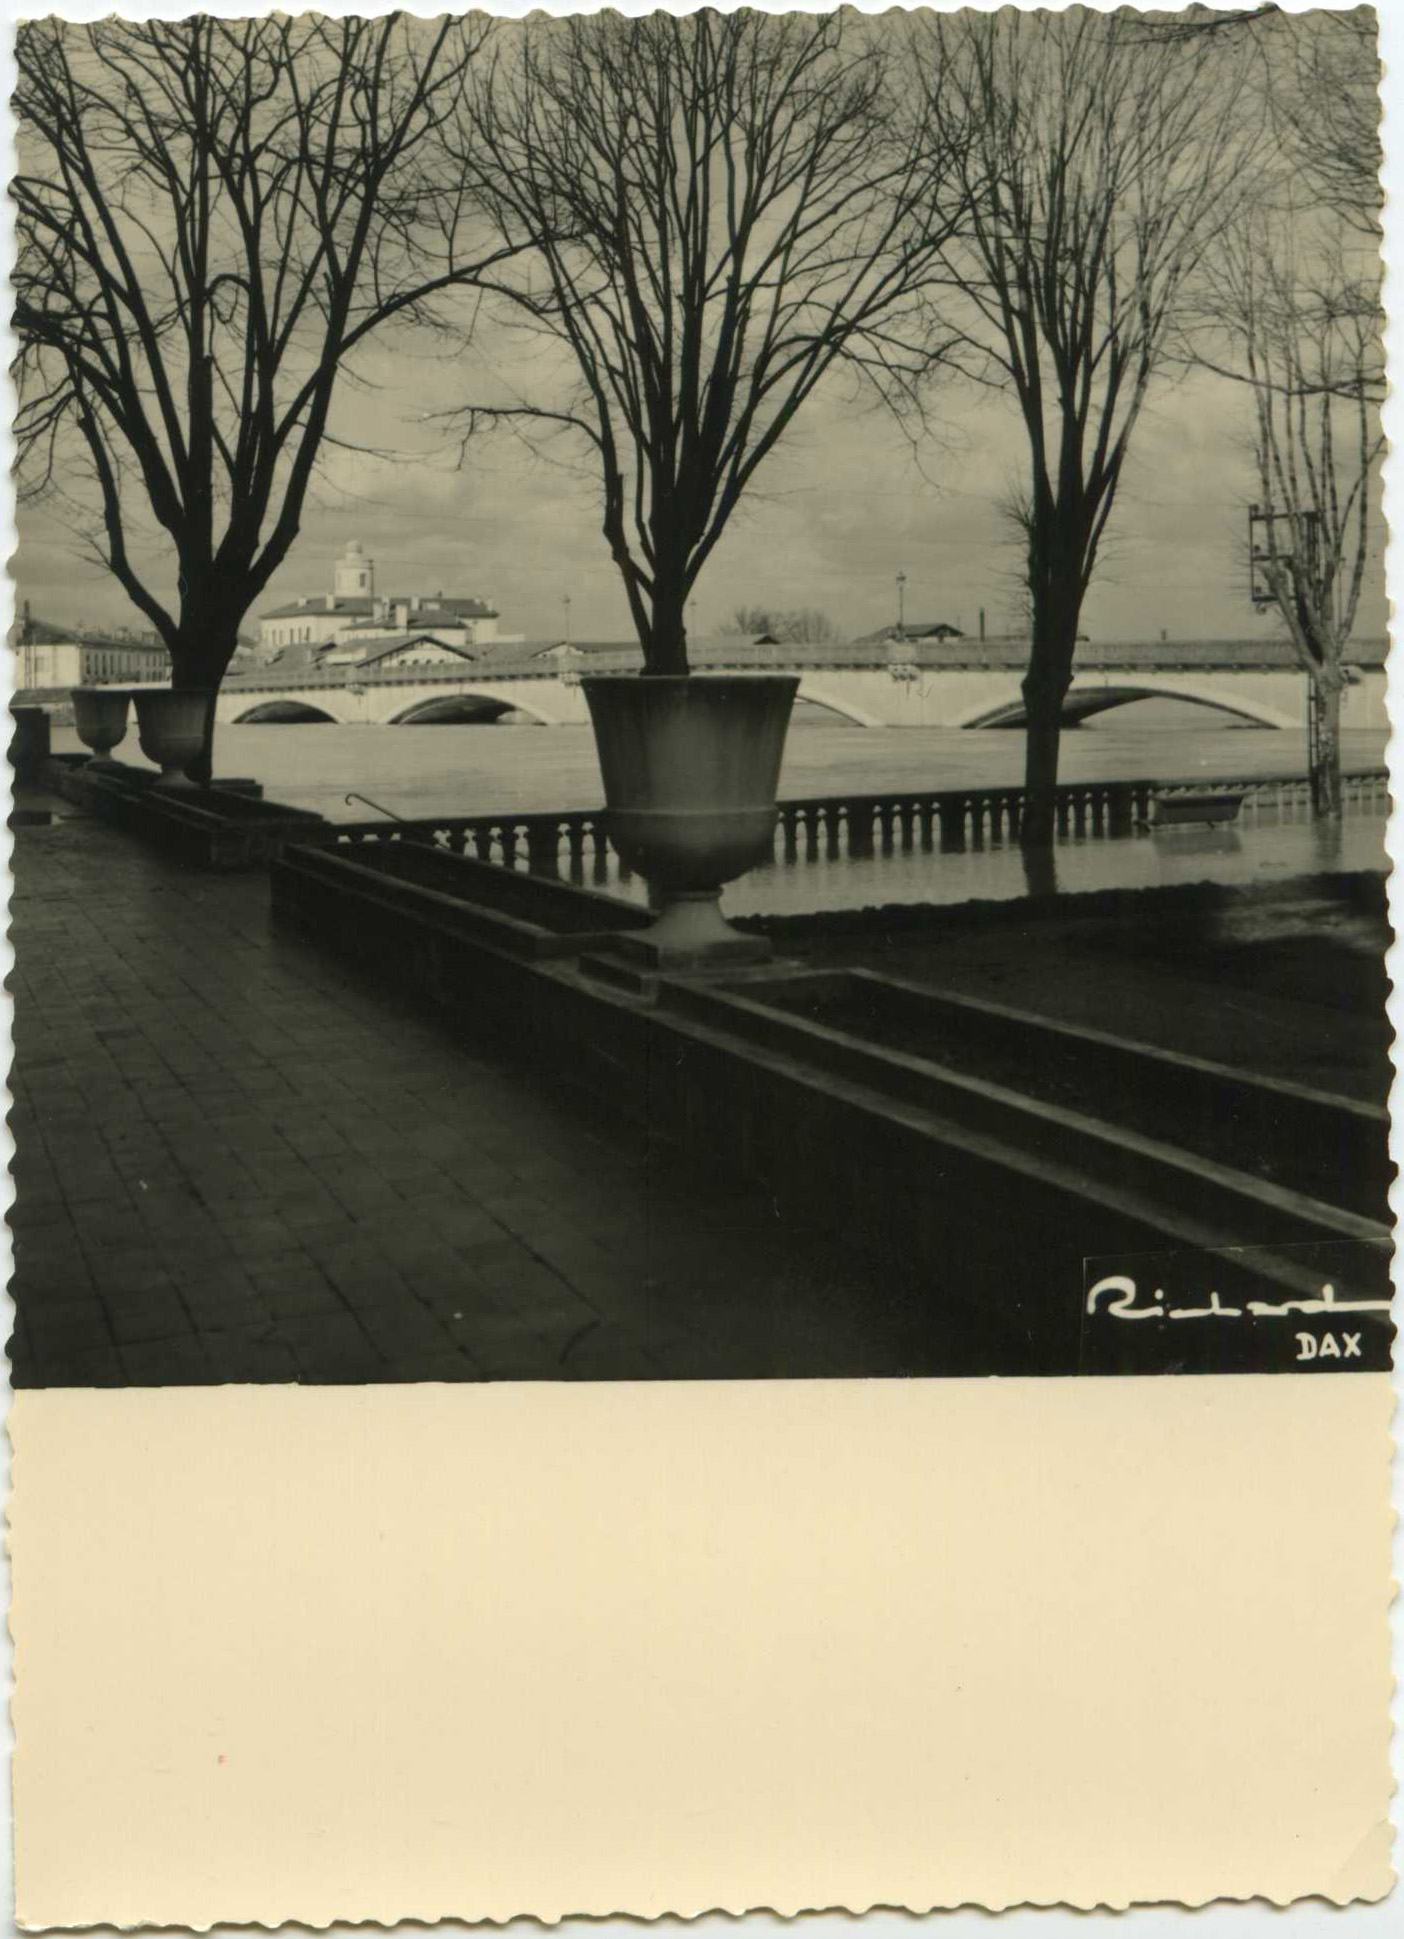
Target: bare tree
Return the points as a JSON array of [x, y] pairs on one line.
[[1102, 166], [212, 216], [800, 626], [1326, 109], [1306, 344], [1317, 80], [718, 210]]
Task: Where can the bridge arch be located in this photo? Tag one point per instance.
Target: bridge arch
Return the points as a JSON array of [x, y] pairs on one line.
[[289, 712], [465, 708], [830, 702], [1083, 702]]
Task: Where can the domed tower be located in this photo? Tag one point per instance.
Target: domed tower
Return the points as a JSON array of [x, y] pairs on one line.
[[355, 573]]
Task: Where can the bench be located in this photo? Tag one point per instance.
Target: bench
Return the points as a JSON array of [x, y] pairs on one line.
[[1209, 806]]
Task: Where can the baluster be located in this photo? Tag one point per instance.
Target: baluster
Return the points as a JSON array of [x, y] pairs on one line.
[[928, 823], [482, 841], [543, 847], [951, 816], [789, 830], [507, 836]]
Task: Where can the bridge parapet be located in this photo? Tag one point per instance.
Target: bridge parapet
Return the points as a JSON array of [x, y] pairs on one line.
[[861, 656]]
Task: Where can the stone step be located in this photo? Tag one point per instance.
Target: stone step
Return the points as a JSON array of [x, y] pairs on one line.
[[1188, 1201]]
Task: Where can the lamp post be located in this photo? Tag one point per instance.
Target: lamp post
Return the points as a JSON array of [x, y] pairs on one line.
[[565, 601], [901, 605]]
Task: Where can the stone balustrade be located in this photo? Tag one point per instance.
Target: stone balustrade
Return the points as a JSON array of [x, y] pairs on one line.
[[572, 842]]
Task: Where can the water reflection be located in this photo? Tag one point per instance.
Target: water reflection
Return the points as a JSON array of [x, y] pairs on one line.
[[1327, 843], [1040, 870], [1175, 842], [1264, 850], [1004, 871]]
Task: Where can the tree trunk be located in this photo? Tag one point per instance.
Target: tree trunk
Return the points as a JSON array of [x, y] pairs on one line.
[[1045, 688], [665, 650], [1325, 754], [1056, 609], [1043, 736], [198, 666], [1040, 871]]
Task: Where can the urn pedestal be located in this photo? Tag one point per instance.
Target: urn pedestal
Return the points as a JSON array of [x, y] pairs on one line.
[[171, 729], [100, 717], [691, 764], [29, 745]]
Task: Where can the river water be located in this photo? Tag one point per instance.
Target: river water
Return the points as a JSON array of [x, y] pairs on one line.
[[470, 770], [463, 770]]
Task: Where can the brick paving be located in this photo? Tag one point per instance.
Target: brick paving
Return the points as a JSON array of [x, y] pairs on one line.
[[235, 1162]]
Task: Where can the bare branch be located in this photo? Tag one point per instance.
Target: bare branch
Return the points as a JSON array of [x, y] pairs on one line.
[[212, 216], [1103, 161], [714, 211]]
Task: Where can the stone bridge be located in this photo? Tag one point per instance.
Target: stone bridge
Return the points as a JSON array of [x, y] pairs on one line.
[[953, 685]]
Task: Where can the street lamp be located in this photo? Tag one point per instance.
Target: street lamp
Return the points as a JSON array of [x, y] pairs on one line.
[[565, 601], [901, 605]]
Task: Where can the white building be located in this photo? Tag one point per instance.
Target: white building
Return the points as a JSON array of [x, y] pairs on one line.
[[50, 658], [354, 612]]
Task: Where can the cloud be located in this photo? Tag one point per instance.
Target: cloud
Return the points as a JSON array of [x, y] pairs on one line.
[[841, 507]]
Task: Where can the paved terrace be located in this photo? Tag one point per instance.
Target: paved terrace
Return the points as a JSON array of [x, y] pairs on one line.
[[236, 1165]]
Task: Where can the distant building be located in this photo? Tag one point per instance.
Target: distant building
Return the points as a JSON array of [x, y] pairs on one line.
[[565, 652], [917, 629], [51, 658], [354, 610]]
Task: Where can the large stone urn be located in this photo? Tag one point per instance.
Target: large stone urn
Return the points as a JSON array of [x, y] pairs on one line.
[[100, 716], [690, 765], [171, 729]]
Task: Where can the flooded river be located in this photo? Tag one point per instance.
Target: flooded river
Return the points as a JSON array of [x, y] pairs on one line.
[[463, 770], [467, 770]]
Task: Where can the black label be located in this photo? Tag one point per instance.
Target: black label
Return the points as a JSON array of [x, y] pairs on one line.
[[1322, 1307]]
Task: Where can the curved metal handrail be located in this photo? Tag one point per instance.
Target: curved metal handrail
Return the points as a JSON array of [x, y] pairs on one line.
[[389, 813]]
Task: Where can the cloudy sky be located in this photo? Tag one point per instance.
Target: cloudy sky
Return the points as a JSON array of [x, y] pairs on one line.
[[844, 505]]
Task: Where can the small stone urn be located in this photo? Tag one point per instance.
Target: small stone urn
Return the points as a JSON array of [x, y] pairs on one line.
[[100, 716], [171, 729], [690, 765]]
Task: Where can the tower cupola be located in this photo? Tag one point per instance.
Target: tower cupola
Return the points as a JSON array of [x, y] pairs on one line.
[[355, 573]]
